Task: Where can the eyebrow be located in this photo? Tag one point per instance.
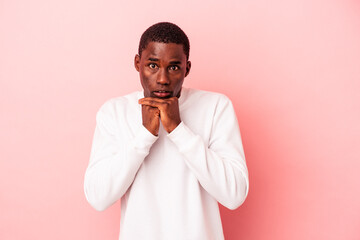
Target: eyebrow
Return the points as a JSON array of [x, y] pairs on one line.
[[156, 60]]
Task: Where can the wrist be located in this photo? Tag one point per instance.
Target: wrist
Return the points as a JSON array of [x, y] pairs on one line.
[[173, 126]]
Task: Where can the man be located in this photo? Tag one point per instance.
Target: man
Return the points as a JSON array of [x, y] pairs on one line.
[[169, 153]]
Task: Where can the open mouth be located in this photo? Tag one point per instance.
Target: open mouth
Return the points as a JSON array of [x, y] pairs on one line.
[[162, 94]]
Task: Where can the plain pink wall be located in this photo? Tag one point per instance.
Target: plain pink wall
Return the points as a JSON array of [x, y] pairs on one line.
[[292, 69]]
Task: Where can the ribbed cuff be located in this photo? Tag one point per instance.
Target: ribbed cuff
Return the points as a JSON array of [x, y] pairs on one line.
[[182, 137], [143, 139]]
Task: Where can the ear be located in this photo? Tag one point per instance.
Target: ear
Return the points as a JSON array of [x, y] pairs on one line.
[[137, 62], [188, 67]]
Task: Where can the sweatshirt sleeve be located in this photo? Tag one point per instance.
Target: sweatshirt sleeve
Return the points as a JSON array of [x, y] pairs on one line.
[[114, 162], [220, 165]]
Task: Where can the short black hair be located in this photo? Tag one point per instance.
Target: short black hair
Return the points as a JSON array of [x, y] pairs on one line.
[[165, 32]]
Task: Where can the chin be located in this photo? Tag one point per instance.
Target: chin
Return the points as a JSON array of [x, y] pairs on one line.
[[162, 97]]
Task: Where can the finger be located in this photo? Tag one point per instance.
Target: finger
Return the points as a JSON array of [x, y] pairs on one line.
[[152, 103], [157, 100], [149, 108]]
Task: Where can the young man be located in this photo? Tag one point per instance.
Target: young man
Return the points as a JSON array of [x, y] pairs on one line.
[[169, 153]]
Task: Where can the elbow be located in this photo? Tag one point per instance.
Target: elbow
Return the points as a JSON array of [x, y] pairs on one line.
[[97, 203], [95, 199], [98, 194], [99, 207], [236, 199], [234, 203]]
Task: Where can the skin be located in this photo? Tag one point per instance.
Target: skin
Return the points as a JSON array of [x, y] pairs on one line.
[[162, 67]]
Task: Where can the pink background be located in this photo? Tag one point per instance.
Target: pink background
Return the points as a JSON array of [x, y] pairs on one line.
[[291, 68]]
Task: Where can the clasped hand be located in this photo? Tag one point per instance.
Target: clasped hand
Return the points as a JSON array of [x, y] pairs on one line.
[[156, 109]]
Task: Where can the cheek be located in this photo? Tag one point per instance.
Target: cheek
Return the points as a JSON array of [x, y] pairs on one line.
[[143, 75], [179, 78], [178, 84], [147, 79], [146, 74]]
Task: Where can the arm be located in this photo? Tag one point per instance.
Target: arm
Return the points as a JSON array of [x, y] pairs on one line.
[[220, 166], [114, 162]]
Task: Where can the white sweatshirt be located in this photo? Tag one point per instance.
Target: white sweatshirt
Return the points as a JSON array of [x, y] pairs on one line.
[[169, 184]]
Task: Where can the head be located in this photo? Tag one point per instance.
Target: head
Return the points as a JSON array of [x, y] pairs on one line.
[[163, 60]]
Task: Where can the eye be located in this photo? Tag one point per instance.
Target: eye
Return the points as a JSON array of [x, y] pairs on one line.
[[174, 68], [152, 65]]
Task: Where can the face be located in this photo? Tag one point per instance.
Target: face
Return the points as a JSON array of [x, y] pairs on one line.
[[162, 68]]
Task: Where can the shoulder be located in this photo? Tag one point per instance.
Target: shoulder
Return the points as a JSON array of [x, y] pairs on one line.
[[120, 101], [116, 104], [206, 97]]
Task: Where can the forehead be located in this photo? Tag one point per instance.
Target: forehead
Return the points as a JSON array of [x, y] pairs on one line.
[[164, 51]]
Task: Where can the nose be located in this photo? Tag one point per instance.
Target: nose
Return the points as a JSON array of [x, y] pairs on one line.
[[163, 78]]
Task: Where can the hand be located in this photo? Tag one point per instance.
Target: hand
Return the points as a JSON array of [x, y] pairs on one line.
[[151, 119], [169, 111]]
